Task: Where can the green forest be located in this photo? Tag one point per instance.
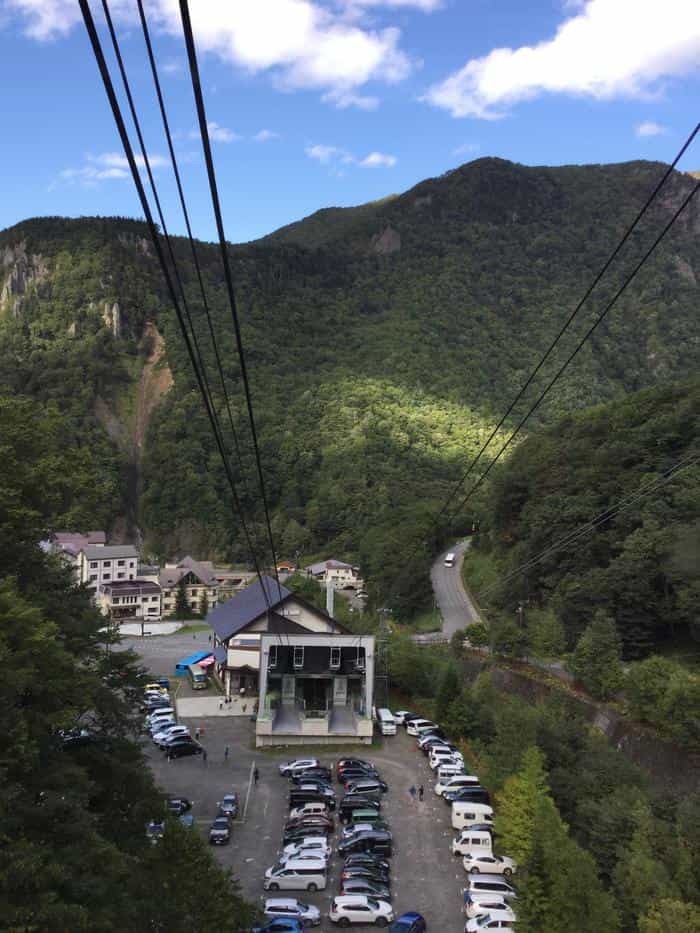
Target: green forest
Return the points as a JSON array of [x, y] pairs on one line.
[[383, 343]]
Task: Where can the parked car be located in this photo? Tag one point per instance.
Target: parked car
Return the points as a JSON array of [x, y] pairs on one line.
[[169, 733], [280, 925], [455, 781], [352, 829], [320, 772], [184, 750], [177, 740], [410, 922], [429, 740], [369, 815], [376, 840], [301, 875], [358, 908], [400, 716], [220, 832], [155, 831], [309, 808], [313, 819], [415, 724], [473, 840], [366, 786], [476, 904], [502, 919], [358, 802], [229, 805], [178, 805], [368, 873], [305, 793], [365, 886], [446, 758], [343, 763], [312, 846], [290, 907], [297, 766], [187, 820], [357, 774], [366, 860], [479, 883], [473, 793], [293, 836], [487, 862]]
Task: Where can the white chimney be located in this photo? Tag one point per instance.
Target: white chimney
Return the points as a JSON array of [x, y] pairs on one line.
[[330, 593]]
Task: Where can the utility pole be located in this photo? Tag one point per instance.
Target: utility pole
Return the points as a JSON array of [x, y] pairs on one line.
[[381, 661]]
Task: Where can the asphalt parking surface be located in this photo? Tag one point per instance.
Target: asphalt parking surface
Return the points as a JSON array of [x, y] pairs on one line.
[[425, 876]]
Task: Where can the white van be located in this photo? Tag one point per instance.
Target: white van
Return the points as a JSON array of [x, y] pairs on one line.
[[297, 875], [466, 814], [472, 840], [489, 884], [415, 726], [450, 559], [387, 723]]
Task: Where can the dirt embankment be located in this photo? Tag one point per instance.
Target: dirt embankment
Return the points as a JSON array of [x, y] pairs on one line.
[[156, 380]]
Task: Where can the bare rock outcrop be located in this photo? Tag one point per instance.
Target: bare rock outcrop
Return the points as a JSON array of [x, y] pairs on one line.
[[388, 241], [20, 274]]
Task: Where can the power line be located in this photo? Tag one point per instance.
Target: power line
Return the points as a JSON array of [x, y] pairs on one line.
[[570, 319], [578, 346], [213, 188], [605, 516], [129, 153]]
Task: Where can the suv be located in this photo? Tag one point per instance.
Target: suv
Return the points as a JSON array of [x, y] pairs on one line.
[[312, 819], [178, 805], [375, 840], [343, 763], [229, 806], [358, 908], [357, 774], [184, 750], [477, 862], [290, 907], [367, 786], [320, 772], [220, 832], [297, 766], [311, 793], [356, 885], [349, 804]]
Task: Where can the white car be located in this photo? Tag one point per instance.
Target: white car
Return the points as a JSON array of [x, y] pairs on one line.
[[415, 725], [478, 904], [169, 733], [160, 725], [360, 908], [400, 716], [352, 829], [307, 809], [291, 907], [496, 919], [306, 855], [455, 782], [317, 845], [298, 766], [491, 864], [444, 756]]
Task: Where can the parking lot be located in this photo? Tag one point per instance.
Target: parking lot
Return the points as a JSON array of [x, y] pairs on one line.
[[425, 876]]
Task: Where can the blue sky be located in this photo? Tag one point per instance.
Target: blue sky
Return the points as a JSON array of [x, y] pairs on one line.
[[316, 103]]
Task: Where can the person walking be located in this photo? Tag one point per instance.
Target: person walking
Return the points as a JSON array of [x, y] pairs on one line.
[[204, 756], [420, 793], [412, 791], [256, 774], [197, 733], [226, 753]]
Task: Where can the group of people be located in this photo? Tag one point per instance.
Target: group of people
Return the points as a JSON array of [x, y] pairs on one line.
[[412, 791]]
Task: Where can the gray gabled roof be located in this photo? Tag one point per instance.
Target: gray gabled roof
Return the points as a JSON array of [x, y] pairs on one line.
[[110, 551], [230, 617]]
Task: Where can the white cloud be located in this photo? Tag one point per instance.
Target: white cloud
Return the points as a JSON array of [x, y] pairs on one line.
[[174, 66], [611, 48], [427, 6], [649, 128], [106, 166], [324, 154], [301, 43], [217, 133], [378, 160], [265, 136], [465, 149], [335, 155]]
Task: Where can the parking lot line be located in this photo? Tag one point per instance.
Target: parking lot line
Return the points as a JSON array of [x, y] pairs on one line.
[[250, 787]]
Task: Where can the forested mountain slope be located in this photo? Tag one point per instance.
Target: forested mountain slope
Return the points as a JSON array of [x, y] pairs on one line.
[[383, 342], [642, 567]]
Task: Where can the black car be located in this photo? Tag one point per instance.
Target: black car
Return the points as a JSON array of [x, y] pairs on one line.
[[321, 773], [377, 875], [366, 860], [178, 805], [437, 741], [302, 832], [177, 740], [378, 841], [353, 802], [356, 774], [474, 794], [184, 750], [344, 763], [220, 832]]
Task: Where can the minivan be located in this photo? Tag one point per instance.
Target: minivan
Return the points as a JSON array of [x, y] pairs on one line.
[[297, 875], [413, 725], [471, 840], [314, 807], [348, 805], [465, 813], [376, 841], [489, 884], [366, 786]]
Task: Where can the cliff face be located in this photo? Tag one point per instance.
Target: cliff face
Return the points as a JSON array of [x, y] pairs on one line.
[[20, 274]]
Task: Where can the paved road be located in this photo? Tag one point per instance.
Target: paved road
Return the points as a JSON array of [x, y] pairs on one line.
[[456, 607]]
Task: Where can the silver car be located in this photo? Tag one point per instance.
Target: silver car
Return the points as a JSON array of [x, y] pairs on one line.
[[309, 915]]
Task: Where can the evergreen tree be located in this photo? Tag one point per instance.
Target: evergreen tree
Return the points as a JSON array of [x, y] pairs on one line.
[[596, 659], [447, 691], [665, 915], [640, 878], [516, 805], [182, 605], [546, 636]]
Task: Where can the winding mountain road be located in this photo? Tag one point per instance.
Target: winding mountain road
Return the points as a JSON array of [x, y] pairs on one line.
[[456, 606]]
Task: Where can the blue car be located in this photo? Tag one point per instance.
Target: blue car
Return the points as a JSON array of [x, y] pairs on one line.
[[280, 925], [409, 923]]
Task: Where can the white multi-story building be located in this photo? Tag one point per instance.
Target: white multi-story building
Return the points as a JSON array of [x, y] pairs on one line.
[[337, 573], [130, 600], [101, 564]]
